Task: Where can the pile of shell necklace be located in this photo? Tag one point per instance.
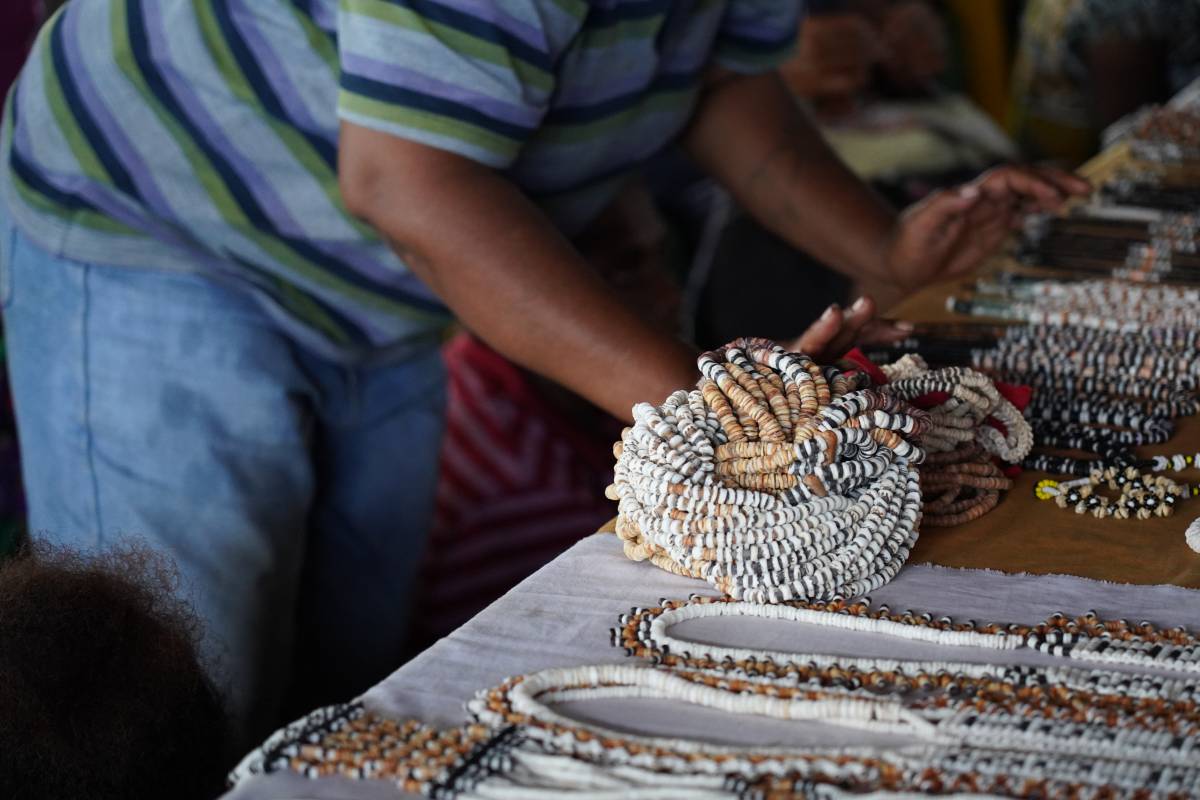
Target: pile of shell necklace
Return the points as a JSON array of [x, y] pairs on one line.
[[773, 480], [1081, 726], [959, 480]]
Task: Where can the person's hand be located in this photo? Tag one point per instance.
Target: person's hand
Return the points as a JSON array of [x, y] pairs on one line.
[[951, 232], [837, 330], [834, 56], [915, 43]]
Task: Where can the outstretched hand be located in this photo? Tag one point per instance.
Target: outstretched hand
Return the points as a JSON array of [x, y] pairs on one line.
[[837, 330], [950, 232]]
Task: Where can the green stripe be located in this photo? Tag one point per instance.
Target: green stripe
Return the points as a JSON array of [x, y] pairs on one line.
[[76, 216], [497, 145], [318, 40], [576, 9], [462, 43], [68, 126], [224, 203], [611, 125], [292, 139], [38, 201], [301, 306]]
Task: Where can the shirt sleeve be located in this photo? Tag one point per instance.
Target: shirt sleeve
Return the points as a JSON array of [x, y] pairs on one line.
[[471, 78], [758, 35]]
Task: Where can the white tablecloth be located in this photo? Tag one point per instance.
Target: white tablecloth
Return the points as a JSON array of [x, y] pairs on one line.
[[561, 616]]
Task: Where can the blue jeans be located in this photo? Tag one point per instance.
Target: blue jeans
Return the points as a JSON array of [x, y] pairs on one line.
[[293, 494]]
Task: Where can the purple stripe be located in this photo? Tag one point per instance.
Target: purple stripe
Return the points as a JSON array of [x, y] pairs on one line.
[[275, 71], [255, 180], [491, 13], [581, 94], [395, 75], [110, 128], [767, 32], [363, 258], [324, 14], [108, 200]]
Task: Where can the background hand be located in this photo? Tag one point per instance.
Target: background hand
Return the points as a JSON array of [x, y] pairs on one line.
[[951, 232]]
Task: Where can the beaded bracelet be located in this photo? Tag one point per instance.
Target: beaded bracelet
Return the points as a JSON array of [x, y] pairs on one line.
[[1142, 495]]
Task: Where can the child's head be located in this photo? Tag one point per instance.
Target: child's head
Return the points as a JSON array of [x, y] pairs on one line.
[[102, 694]]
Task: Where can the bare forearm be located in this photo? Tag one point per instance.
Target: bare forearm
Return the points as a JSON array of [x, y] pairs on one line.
[[518, 284], [751, 136]]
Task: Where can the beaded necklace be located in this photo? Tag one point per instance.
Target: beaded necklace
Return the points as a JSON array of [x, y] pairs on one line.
[[1022, 731], [774, 479]]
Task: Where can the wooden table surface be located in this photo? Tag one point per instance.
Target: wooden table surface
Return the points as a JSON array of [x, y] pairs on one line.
[[1024, 534]]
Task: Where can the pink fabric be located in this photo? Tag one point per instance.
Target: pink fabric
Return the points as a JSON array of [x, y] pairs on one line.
[[518, 484]]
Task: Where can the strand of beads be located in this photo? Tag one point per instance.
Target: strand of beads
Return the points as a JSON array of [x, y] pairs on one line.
[[1142, 495], [774, 479], [959, 480], [1087, 304], [1162, 251], [645, 633], [1021, 731]]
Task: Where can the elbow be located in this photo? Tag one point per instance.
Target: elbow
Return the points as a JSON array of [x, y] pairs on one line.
[[359, 185]]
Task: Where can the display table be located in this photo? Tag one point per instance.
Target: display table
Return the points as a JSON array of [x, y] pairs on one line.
[[1020, 563], [1024, 534], [560, 616]]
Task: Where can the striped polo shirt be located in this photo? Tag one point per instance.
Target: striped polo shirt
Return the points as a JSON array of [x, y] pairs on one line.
[[201, 135]]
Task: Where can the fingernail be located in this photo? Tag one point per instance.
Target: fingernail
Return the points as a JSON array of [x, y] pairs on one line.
[[968, 192], [904, 325], [859, 304], [829, 311]]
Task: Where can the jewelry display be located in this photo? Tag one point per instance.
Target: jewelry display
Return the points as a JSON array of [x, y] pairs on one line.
[[1085, 304], [1097, 391], [1010, 730], [1092, 246], [774, 479], [794, 488]]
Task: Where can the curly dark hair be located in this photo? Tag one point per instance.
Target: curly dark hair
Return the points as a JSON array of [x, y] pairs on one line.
[[102, 690]]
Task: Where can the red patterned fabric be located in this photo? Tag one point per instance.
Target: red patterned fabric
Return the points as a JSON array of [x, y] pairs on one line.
[[520, 482]]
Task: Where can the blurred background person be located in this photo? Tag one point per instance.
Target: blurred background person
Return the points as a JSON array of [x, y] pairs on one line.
[[1083, 64]]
